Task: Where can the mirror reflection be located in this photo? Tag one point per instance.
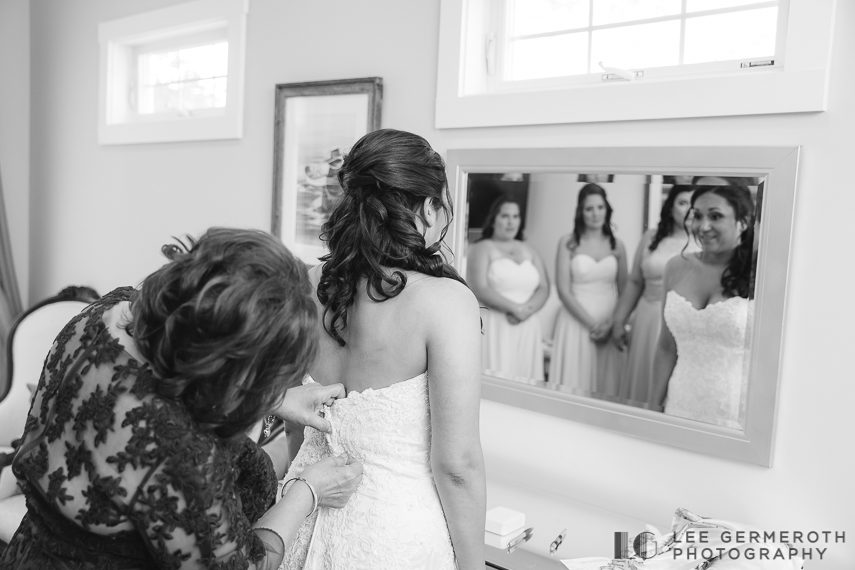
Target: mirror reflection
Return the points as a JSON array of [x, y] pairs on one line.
[[636, 289]]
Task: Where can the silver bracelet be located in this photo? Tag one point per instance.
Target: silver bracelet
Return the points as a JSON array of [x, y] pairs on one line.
[[311, 489]]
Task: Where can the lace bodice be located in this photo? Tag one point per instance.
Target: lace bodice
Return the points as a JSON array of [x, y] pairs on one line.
[[116, 476], [395, 519], [708, 380], [653, 263], [516, 282]]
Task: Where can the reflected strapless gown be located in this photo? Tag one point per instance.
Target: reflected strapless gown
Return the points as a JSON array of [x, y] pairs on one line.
[[708, 383], [636, 379], [512, 351], [394, 520], [577, 362]]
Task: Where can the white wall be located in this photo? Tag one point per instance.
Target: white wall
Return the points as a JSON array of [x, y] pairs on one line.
[[99, 214], [15, 131]]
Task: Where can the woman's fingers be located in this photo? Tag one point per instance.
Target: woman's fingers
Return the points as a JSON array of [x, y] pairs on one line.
[[317, 421], [328, 394], [335, 478]]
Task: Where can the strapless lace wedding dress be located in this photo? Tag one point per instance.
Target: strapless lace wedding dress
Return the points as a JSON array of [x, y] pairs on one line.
[[708, 381], [395, 519]]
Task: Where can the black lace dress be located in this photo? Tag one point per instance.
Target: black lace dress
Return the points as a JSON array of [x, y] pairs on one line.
[[118, 477]]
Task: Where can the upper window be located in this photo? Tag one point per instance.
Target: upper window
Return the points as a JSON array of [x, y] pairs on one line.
[[182, 80], [173, 74], [523, 62], [574, 39]]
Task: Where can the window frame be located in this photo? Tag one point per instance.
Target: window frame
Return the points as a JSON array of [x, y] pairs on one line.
[[119, 41], [797, 83]]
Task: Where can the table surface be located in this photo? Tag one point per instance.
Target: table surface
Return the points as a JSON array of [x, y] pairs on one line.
[[519, 560]]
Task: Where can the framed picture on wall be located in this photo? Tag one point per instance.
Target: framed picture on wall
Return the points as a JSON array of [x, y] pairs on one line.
[[315, 125]]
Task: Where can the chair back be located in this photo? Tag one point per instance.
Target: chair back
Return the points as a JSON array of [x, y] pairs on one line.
[[30, 339]]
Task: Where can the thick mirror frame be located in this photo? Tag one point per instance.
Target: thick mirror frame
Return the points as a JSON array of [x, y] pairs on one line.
[[779, 166]]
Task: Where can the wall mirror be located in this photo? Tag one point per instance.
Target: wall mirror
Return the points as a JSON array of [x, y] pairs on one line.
[[555, 349]]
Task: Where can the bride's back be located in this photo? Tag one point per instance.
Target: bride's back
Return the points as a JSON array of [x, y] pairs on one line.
[[385, 342], [378, 289]]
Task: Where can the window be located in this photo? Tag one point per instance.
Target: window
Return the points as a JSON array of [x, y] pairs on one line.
[[569, 38], [173, 74], [509, 62], [182, 80]]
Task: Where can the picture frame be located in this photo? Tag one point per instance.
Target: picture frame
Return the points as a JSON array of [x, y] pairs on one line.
[[315, 125]]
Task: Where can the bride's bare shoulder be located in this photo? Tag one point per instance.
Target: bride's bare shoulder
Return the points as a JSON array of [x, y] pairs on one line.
[[444, 297]]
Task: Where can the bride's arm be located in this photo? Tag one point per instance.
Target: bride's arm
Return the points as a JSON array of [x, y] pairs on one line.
[[665, 357], [454, 371]]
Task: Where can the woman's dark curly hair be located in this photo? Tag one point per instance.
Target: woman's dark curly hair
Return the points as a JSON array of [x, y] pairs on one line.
[[228, 326], [579, 221], [666, 216], [488, 229], [386, 178], [737, 279]]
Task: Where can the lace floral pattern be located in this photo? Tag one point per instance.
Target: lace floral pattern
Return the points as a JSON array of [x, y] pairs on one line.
[[395, 519], [116, 477], [708, 382]]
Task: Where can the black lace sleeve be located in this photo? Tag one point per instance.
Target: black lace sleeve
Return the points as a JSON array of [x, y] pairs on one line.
[[191, 508], [257, 480]]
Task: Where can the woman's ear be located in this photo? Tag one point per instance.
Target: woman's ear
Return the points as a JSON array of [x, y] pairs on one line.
[[429, 212]]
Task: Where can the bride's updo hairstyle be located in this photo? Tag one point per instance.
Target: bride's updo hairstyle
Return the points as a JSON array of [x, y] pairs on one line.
[[386, 177], [736, 280], [227, 326]]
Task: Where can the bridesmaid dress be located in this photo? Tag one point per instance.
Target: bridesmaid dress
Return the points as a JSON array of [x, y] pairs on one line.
[[636, 381], [512, 351], [577, 362]]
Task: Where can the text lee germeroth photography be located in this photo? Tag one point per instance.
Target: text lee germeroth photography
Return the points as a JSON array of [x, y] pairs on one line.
[[719, 544]]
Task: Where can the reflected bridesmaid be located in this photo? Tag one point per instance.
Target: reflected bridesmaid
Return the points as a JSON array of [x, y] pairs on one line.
[[509, 278], [590, 271]]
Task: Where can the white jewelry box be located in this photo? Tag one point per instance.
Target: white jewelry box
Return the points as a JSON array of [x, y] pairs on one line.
[[503, 521]]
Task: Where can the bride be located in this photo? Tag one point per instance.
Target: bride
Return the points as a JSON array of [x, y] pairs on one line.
[[699, 366], [401, 332]]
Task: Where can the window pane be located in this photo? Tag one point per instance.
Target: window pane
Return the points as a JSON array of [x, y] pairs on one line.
[[203, 94], [738, 35], [159, 99], [633, 47], [539, 16], [553, 56], [698, 5], [158, 68], [612, 11], [204, 61]]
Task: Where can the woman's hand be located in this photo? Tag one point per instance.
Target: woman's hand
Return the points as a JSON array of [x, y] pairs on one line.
[[521, 313], [303, 404], [600, 332], [335, 479], [619, 336]]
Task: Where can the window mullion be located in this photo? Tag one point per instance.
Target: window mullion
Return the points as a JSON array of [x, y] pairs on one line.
[[590, 32], [682, 30]]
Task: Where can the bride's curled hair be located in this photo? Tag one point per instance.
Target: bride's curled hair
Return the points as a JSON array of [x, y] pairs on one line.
[[372, 233]]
